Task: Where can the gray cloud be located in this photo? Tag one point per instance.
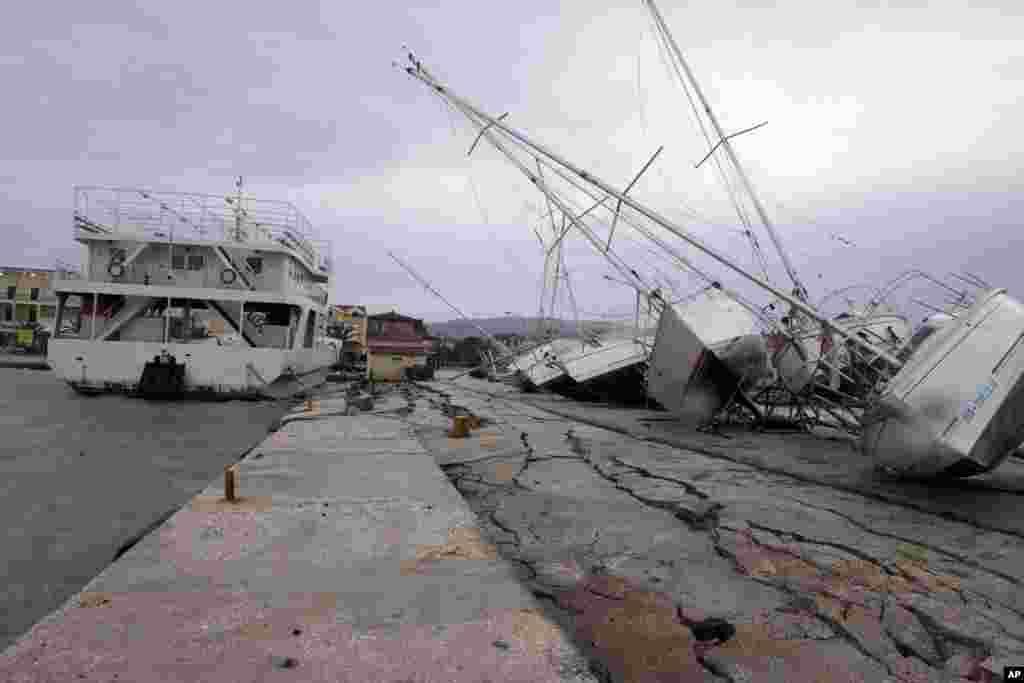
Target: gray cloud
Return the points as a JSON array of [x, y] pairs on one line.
[[894, 126]]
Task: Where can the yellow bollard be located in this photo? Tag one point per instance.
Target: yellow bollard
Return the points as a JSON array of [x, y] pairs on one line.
[[460, 427], [230, 484]]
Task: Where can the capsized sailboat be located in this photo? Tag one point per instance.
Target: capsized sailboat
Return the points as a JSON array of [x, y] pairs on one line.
[[957, 407], [611, 370], [982, 346]]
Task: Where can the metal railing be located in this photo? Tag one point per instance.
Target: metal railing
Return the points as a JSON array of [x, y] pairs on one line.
[[153, 215]]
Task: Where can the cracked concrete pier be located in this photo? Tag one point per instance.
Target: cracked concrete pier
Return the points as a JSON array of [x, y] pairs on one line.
[[350, 557], [628, 537], [586, 544]]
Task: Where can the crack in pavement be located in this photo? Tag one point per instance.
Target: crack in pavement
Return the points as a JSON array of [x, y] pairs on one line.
[[796, 595], [800, 538], [689, 487], [936, 549], [942, 635], [760, 466], [864, 619]]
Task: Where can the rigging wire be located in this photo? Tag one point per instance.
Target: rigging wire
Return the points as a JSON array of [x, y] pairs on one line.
[[639, 91], [666, 54], [468, 167], [757, 311], [507, 139], [734, 197]]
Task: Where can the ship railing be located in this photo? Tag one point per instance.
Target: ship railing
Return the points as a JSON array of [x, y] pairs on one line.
[[151, 215], [63, 272]]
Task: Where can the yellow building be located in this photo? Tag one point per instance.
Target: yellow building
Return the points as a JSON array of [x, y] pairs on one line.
[[395, 342], [27, 296], [353, 317]]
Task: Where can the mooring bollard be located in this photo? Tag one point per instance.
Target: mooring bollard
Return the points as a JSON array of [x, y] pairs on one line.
[[460, 427], [230, 483]]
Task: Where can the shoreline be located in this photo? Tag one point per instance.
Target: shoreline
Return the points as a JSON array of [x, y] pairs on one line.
[[23, 361]]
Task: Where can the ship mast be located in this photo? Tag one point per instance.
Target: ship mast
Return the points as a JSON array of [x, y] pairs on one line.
[[799, 291], [236, 205], [490, 125]]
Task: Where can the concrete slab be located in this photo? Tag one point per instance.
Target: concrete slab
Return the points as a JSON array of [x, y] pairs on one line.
[[630, 536], [349, 557]]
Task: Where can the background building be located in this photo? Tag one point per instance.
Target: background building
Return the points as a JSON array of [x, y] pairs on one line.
[[353, 318], [28, 306], [395, 342], [27, 296], [349, 324]]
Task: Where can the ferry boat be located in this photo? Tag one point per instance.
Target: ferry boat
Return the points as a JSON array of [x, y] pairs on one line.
[[228, 294]]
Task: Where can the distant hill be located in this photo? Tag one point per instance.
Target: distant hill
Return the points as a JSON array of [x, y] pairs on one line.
[[460, 329]]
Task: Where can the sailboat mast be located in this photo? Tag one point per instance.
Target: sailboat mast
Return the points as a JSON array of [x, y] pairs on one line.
[[490, 124], [800, 291]]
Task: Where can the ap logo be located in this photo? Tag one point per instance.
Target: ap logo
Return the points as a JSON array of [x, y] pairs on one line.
[[1013, 673]]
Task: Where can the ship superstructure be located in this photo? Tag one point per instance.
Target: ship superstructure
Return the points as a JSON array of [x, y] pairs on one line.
[[233, 288]]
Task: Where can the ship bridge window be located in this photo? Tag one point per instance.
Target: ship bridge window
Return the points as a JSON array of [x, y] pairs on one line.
[[272, 314], [184, 258]]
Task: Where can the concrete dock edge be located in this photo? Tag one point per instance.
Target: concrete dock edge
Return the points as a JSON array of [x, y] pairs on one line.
[[349, 556]]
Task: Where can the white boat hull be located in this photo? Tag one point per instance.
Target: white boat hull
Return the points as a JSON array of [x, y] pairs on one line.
[[210, 369], [684, 376], [611, 356], [957, 406], [543, 365]]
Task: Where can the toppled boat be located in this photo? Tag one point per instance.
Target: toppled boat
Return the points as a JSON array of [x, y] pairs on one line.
[[730, 331], [685, 377], [611, 370], [542, 366], [939, 410], [706, 353], [956, 408]]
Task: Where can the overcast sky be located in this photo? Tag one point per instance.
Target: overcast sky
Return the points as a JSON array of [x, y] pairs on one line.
[[895, 126]]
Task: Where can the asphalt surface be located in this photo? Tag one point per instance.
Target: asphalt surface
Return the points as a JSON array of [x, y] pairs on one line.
[[826, 573]]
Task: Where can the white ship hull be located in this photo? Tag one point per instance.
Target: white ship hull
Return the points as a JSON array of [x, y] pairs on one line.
[[543, 365], [611, 356], [210, 370], [957, 407], [189, 295]]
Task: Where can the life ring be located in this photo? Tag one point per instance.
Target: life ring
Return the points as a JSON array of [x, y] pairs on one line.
[[116, 269], [228, 276]]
